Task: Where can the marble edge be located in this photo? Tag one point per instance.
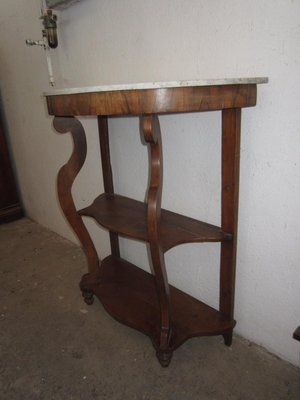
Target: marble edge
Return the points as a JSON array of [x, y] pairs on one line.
[[158, 85]]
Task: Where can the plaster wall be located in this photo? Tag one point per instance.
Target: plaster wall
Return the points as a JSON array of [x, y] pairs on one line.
[[103, 42]]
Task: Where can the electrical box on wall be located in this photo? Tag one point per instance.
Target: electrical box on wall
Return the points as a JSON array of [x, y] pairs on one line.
[[60, 4]]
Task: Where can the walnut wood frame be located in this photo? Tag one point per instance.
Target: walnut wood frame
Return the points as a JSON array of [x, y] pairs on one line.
[[146, 301]]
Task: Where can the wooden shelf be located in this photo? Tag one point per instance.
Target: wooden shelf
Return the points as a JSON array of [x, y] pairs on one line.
[[128, 217], [129, 295]]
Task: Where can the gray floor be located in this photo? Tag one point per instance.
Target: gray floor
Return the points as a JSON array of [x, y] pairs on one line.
[[54, 346]]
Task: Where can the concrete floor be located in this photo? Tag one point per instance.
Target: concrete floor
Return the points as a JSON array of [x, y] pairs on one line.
[[54, 346]]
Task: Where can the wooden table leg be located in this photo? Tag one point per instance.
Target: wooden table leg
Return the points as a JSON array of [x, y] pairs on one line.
[[152, 135], [65, 180], [231, 125], [107, 175]]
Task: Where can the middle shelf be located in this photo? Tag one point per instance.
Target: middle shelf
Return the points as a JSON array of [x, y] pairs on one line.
[[128, 217]]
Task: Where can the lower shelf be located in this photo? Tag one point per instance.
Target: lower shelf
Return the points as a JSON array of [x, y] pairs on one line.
[[129, 295]]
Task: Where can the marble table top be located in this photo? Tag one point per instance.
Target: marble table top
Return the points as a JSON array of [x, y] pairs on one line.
[[158, 85]]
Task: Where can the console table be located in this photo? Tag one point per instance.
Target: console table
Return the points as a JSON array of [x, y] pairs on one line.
[[134, 297]]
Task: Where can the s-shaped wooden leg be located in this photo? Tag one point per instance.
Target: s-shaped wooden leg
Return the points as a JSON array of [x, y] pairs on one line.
[[152, 135], [65, 180]]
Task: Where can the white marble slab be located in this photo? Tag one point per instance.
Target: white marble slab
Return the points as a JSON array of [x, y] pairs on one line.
[[159, 85]]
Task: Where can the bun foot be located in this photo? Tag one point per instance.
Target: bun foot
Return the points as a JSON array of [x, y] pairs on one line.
[[164, 357], [88, 297], [87, 283], [228, 338]]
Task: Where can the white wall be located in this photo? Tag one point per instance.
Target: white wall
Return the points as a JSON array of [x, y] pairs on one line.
[[102, 42]]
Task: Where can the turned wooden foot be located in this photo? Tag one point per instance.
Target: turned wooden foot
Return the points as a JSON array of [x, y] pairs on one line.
[[228, 338], [88, 281], [164, 357], [88, 296]]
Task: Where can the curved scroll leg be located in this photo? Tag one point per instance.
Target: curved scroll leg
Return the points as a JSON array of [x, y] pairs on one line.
[[65, 179], [151, 131]]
